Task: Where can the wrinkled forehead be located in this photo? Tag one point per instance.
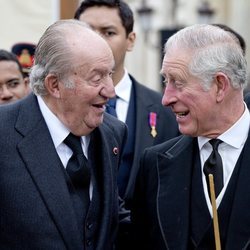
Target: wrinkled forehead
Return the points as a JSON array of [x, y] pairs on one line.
[[176, 55], [97, 57]]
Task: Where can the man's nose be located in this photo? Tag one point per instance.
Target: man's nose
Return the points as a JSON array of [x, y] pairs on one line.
[[169, 96], [108, 90], [5, 93]]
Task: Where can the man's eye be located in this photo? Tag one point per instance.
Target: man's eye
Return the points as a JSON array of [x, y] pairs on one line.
[[12, 84], [96, 79], [178, 84], [111, 73], [165, 82], [109, 33]]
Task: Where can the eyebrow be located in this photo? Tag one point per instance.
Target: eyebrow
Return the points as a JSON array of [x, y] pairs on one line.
[[104, 28], [101, 71], [10, 81], [13, 79]]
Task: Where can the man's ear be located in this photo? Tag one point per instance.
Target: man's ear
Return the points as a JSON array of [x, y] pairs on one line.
[[222, 84], [51, 83], [131, 41]]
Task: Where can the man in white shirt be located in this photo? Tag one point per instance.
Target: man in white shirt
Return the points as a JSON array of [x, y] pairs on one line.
[[149, 123], [205, 74]]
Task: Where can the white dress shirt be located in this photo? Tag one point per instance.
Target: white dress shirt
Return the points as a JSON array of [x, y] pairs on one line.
[[58, 133], [123, 91], [233, 141]]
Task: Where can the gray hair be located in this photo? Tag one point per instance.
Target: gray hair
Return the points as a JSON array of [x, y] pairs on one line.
[[213, 50], [53, 55]]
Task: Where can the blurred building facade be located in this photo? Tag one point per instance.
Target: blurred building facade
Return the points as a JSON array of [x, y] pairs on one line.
[[25, 21]]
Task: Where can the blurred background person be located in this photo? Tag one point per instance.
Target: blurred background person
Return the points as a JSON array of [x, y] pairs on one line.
[[139, 107], [149, 123], [25, 55], [13, 84]]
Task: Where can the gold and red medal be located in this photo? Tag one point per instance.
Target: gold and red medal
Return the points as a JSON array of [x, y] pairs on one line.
[[152, 123]]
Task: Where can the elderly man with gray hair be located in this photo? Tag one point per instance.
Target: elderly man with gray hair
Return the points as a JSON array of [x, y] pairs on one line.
[[205, 74], [59, 150]]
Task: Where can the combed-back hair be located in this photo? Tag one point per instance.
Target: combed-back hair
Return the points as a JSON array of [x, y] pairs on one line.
[[53, 54]]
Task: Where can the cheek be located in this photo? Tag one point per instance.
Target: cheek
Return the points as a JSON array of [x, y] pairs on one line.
[[118, 48], [25, 90], [202, 112], [18, 91], [82, 95], [198, 105], [112, 44]]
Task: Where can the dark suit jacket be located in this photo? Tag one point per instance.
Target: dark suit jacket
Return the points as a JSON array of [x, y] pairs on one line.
[[161, 208], [146, 101], [35, 206]]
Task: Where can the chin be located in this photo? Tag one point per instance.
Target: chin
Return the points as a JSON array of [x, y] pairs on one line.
[[97, 123], [187, 132]]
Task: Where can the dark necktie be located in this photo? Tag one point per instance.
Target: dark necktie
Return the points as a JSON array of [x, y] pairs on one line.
[[77, 168], [110, 107], [213, 165]]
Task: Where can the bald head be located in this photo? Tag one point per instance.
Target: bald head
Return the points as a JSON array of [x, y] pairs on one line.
[[58, 50]]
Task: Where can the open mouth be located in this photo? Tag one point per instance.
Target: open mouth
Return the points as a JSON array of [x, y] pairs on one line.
[[182, 114], [101, 107], [98, 105]]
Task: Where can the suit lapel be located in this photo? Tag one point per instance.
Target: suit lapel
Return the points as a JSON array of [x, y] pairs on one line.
[[142, 130], [106, 143], [145, 106], [175, 168], [46, 170]]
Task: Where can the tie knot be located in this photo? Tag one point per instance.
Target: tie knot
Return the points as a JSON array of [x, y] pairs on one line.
[[74, 143], [215, 143], [112, 102], [111, 105]]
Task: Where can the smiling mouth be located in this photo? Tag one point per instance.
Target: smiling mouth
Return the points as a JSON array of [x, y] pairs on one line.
[[98, 105], [181, 114]]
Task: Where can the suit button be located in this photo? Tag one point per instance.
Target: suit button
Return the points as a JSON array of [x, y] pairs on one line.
[[88, 242], [89, 225]]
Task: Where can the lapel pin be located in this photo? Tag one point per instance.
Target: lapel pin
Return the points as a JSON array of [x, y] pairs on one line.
[[152, 123], [115, 150]]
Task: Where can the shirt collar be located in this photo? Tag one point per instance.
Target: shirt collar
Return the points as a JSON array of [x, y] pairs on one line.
[[56, 128], [236, 135], [123, 88]]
